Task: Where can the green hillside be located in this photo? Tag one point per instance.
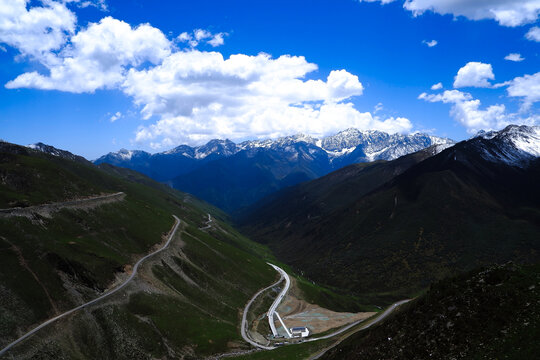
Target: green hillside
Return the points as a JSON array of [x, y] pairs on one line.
[[185, 302], [50, 264]]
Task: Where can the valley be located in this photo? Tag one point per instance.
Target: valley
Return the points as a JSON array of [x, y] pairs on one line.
[[181, 296], [93, 266], [269, 180]]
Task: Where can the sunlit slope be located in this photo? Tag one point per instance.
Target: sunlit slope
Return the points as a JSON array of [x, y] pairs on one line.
[[49, 264]]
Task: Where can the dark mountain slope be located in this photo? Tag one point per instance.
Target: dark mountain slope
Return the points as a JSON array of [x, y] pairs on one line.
[[249, 175], [491, 313], [449, 213], [307, 202], [214, 171]]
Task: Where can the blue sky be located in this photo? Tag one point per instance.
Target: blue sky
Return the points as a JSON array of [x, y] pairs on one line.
[[89, 78]]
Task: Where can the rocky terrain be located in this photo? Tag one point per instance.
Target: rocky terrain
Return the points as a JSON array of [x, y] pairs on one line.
[[491, 313]]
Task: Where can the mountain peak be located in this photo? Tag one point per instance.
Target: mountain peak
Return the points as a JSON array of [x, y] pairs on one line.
[[515, 144], [51, 150]]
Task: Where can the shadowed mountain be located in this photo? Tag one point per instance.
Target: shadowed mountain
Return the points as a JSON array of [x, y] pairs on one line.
[[232, 175], [490, 313], [245, 177], [472, 204]]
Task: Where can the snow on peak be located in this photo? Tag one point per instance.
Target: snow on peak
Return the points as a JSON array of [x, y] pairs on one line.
[[524, 138], [125, 154], [515, 145]]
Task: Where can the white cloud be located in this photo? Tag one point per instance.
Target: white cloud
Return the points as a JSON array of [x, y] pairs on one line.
[[514, 57], [99, 4], [200, 35], [189, 95], [474, 74], [35, 31], [217, 40], [116, 116], [533, 34], [505, 12], [431, 43], [98, 57], [526, 87], [467, 111], [379, 107], [200, 95], [382, 1], [437, 86]]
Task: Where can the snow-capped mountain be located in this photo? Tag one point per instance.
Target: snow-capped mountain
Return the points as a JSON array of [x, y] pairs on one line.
[[51, 150], [514, 145], [375, 145], [252, 169]]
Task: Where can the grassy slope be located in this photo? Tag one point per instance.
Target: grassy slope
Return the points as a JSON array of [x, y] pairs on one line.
[[186, 303], [491, 313]]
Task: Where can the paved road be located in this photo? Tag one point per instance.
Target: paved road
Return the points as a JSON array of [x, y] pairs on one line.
[[280, 297], [275, 304], [46, 209], [244, 317], [381, 317], [208, 223], [134, 272]]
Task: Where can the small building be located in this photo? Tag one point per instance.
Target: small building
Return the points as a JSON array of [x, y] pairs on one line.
[[300, 331]]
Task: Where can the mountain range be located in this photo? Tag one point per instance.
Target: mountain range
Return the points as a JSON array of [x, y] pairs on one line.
[[356, 239], [392, 228], [250, 170]]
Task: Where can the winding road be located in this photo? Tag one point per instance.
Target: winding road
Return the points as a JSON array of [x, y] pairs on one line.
[[272, 311], [107, 294], [243, 327], [276, 302], [379, 318], [46, 209]]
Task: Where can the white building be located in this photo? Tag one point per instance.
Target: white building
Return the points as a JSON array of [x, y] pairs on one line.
[[299, 331]]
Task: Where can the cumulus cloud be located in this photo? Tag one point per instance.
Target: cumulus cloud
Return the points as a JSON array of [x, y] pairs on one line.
[[533, 34], [98, 57], [199, 35], [437, 86], [474, 74], [38, 30], [505, 12], [201, 95], [514, 57], [468, 112], [527, 87], [187, 95], [431, 43]]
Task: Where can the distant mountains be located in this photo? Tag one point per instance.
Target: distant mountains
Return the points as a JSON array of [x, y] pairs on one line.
[[390, 229], [232, 176]]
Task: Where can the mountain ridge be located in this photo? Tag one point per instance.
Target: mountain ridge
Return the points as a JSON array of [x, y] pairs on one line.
[[442, 215], [270, 164], [336, 145]]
